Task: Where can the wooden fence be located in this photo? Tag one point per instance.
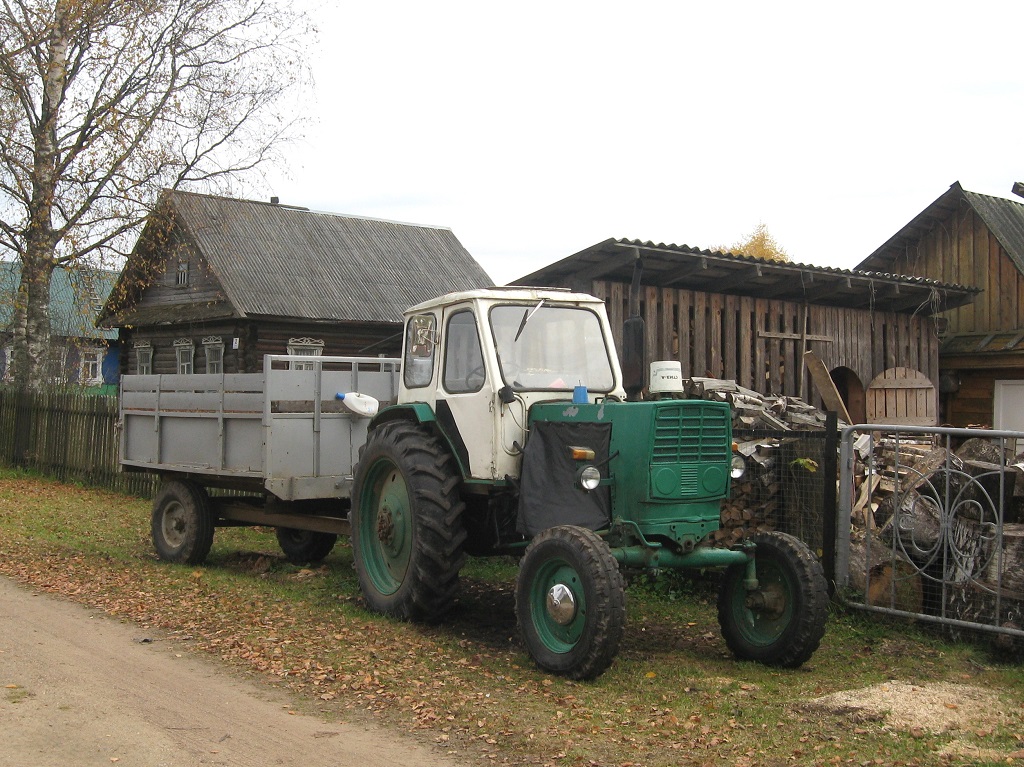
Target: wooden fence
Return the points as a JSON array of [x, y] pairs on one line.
[[72, 437]]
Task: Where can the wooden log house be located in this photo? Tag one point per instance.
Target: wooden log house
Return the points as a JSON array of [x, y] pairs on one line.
[[215, 283], [976, 240]]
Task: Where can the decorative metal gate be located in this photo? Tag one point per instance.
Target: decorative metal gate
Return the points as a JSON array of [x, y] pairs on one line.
[[931, 527]]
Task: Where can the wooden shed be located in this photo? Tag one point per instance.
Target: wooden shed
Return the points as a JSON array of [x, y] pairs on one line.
[[977, 240], [215, 283], [737, 317]]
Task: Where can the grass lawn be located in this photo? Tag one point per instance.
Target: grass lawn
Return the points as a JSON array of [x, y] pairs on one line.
[[875, 693]]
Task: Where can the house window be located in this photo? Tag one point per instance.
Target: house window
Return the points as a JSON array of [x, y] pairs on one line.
[[144, 358], [184, 349], [214, 348], [90, 372], [182, 279], [305, 347]]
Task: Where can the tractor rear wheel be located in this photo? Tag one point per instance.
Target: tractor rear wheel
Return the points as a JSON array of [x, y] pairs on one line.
[[782, 621], [408, 536], [182, 522], [570, 602], [304, 546]]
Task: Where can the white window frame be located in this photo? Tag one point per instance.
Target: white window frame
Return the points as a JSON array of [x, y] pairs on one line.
[[185, 352], [181, 279], [213, 346], [305, 347], [90, 357], [144, 358]]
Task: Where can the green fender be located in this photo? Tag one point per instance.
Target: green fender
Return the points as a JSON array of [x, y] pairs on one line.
[[422, 414]]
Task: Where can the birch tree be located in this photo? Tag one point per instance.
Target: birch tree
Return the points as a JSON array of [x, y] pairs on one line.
[[104, 102]]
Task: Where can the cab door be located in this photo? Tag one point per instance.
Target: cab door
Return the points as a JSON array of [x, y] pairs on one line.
[[464, 403]]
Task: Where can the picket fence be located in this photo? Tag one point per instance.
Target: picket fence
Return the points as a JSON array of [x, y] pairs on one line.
[[70, 436]]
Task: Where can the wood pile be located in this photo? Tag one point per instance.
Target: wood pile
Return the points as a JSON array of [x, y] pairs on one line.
[[751, 410], [777, 492]]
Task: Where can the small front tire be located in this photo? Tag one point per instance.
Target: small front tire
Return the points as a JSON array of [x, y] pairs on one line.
[[570, 602], [780, 623], [182, 523]]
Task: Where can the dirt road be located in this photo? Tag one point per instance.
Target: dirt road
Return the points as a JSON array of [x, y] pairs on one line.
[[78, 688]]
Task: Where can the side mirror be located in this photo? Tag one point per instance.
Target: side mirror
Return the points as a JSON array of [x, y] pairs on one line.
[[633, 367]]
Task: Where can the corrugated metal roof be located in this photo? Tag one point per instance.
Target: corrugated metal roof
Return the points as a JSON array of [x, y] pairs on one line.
[[686, 267], [282, 261], [76, 296], [1004, 218]]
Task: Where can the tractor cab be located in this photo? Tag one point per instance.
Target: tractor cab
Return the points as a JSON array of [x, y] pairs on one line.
[[479, 360]]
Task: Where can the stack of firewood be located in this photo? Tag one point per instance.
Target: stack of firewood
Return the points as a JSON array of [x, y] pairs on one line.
[[753, 505], [752, 410]]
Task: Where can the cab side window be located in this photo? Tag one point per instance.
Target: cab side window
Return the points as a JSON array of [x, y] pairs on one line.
[[463, 359], [420, 343]]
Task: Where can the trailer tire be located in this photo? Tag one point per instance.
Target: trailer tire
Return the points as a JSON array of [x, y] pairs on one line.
[[570, 602], [182, 522], [304, 546], [782, 622], [408, 537]]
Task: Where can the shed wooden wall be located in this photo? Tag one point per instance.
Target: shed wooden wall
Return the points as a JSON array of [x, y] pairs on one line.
[[961, 249], [758, 342], [972, 405]]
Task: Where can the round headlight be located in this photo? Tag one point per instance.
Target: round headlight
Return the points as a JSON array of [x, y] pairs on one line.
[[589, 478], [738, 467]]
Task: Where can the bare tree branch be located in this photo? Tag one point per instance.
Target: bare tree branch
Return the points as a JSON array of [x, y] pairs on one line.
[[105, 102]]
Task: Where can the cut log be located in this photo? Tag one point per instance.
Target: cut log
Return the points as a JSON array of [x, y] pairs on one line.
[[885, 581]]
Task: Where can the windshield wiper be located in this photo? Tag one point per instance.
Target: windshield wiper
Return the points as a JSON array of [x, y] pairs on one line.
[[527, 315]]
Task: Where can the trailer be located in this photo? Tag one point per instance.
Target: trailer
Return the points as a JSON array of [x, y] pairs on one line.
[[281, 440]]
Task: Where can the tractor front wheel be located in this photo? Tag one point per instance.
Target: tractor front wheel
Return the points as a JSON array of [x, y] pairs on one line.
[[570, 602], [408, 536], [782, 621]]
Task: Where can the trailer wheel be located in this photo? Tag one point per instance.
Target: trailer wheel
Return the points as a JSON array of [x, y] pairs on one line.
[[302, 546], [780, 623], [182, 522], [407, 532], [570, 602]]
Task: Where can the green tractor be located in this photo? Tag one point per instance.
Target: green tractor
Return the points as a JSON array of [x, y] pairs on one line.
[[513, 434]]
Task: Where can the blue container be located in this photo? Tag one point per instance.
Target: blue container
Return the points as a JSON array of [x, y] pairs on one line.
[[579, 395]]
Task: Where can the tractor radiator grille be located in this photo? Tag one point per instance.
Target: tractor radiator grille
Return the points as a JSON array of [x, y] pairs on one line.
[[691, 432]]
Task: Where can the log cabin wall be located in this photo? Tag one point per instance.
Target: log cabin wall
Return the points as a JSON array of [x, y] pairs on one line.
[[255, 339], [759, 342], [971, 405]]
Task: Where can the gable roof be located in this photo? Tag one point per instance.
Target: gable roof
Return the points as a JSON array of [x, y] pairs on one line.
[[685, 267], [76, 296], [283, 261], [1004, 218]]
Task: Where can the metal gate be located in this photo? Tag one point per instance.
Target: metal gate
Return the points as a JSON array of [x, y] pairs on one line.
[[930, 527]]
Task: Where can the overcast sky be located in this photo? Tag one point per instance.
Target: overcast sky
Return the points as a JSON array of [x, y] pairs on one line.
[[536, 129]]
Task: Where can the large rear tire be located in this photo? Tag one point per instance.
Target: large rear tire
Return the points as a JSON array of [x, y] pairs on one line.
[[182, 522], [780, 623], [304, 546], [408, 536], [570, 602]]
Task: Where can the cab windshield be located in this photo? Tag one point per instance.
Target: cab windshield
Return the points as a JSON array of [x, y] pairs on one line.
[[549, 347]]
